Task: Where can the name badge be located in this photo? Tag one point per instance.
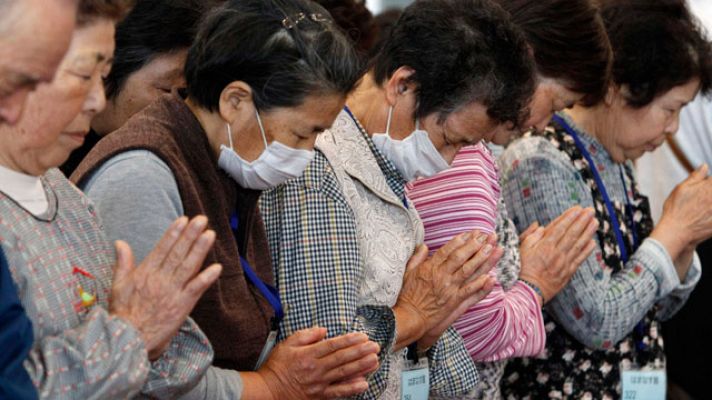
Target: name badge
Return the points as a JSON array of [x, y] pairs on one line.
[[644, 385], [415, 381], [269, 345]]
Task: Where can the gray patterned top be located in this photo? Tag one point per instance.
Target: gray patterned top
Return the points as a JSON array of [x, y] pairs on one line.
[[62, 265]]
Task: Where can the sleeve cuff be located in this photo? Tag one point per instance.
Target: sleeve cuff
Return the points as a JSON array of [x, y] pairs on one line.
[[182, 365], [667, 277], [693, 274]]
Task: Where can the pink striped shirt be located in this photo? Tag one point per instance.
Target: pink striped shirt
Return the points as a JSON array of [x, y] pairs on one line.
[[460, 199]]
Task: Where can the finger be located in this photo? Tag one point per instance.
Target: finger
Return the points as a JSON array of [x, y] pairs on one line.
[[198, 285], [420, 255], [185, 242], [363, 373], [472, 269], [455, 243], [329, 346], [533, 238], [348, 371], [158, 254], [533, 227], [490, 263], [460, 256], [699, 174], [583, 238], [478, 289], [492, 239], [357, 378], [575, 232], [585, 253], [195, 258], [338, 360], [124, 261], [306, 337], [557, 229], [346, 389]]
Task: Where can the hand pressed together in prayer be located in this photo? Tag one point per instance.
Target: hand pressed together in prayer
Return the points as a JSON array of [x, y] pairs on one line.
[[438, 289], [157, 296], [551, 255], [305, 366]]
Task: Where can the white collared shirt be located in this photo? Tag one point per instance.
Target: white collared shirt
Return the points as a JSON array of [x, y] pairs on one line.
[[26, 190]]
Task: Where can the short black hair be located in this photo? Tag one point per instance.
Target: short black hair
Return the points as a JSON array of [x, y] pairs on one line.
[[569, 41], [462, 51], [284, 50], [151, 29], [657, 45]]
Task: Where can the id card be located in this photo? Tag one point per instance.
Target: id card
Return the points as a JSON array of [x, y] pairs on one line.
[[643, 385], [269, 345], [415, 381]]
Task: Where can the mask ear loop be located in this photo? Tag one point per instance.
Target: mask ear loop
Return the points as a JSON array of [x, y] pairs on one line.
[[388, 121], [229, 135], [262, 128]]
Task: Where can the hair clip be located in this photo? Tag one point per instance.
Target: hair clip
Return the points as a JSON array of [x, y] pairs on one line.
[[318, 17], [291, 22]]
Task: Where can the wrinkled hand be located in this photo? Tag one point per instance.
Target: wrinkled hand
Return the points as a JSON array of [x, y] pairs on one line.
[[305, 366], [687, 215], [437, 290], [551, 255], [157, 296]]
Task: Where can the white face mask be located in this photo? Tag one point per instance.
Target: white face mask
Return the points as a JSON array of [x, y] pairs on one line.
[[277, 163], [414, 156]]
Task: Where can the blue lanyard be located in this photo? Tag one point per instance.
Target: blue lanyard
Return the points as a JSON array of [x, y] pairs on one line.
[[269, 292], [348, 111], [604, 193]]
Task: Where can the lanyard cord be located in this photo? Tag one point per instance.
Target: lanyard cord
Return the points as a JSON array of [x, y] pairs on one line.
[[601, 186], [270, 293]]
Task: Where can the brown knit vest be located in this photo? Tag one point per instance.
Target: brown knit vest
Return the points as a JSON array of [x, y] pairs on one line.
[[232, 313]]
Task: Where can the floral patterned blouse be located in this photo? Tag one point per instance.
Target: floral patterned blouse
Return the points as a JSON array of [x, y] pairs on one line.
[[608, 315]]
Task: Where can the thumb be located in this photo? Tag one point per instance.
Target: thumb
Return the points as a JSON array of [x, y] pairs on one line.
[[699, 174], [534, 236], [533, 227], [307, 336], [124, 260], [420, 255]]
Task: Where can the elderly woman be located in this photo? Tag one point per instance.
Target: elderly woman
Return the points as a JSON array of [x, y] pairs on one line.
[[248, 121], [151, 45], [92, 338], [509, 322], [451, 73], [603, 336]]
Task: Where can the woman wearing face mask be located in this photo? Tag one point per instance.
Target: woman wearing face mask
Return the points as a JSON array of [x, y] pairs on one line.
[[603, 336], [467, 196], [343, 236], [248, 122]]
